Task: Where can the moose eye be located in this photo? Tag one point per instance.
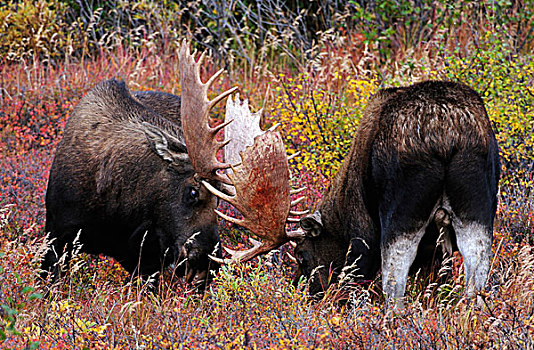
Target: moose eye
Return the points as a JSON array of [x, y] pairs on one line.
[[191, 195]]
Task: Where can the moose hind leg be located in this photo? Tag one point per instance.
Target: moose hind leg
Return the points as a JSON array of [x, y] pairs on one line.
[[397, 257], [474, 242], [409, 196], [472, 190]]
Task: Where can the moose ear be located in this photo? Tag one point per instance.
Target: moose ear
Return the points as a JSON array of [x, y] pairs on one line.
[[312, 224], [165, 145]]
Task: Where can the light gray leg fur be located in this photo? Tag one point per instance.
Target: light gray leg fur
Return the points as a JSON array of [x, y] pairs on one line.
[[474, 242], [397, 257]]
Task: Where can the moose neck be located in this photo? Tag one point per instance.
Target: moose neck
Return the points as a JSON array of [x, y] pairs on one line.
[[348, 208], [347, 190]]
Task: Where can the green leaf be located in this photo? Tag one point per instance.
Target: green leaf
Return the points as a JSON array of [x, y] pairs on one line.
[[35, 296], [27, 289]]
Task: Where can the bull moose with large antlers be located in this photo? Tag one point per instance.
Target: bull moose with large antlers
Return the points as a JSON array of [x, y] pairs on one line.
[[423, 169], [125, 182]]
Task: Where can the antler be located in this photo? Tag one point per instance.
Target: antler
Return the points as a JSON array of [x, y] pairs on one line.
[[262, 193], [202, 146], [262, 196], [243, 130]]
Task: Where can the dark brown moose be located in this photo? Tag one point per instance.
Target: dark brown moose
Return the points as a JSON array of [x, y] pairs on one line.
[[125, 182], [423, 169]]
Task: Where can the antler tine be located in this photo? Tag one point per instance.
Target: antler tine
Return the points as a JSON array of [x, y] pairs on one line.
[[248, 254], [299, 213], [222, 96], [292, 258], [231, 219], [222, 126], [273, 128], [199, 62], [297, 191], [293, 156], [200, 138], [297, 201], [214, 77], [218, 193]]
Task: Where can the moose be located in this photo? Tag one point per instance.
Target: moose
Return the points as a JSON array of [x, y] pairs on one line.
[[123, 182], [423, 170]]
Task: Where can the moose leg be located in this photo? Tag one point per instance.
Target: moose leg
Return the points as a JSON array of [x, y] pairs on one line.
[[472, 190], [56, 259], [474, 242], [397, 257], [404, 224], [409, 195]]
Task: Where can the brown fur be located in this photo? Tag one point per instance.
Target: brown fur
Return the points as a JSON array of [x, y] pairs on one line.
[[121, 175], [409, 140]]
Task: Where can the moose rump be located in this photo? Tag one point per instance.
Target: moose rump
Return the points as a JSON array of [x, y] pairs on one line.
[[433, 169]]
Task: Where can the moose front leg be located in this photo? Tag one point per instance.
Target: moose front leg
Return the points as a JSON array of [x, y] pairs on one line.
[[362, 261]]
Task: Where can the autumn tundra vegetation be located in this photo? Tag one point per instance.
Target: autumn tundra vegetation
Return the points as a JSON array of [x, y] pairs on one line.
[[313, 67]]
